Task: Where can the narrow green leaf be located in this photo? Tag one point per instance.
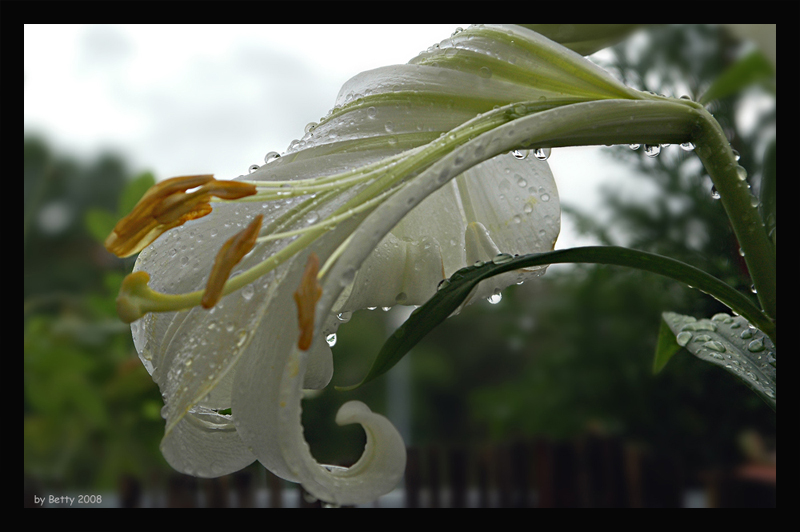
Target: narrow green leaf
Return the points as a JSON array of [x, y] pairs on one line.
[[666, 347], [734, 345], [768, 196], [750, 69], [452, 294]]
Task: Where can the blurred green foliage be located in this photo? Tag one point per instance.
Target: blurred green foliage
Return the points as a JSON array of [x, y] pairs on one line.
[[91, 412]]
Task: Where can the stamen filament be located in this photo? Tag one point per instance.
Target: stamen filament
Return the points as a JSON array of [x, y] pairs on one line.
[[331, 220], [387, 174]]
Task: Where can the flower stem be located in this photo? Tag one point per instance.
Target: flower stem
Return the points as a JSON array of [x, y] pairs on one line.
[[742, 208]]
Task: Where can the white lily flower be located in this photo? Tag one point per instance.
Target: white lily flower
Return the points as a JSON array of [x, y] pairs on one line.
[[408, 179]]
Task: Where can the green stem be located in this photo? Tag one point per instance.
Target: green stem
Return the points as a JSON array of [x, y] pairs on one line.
[[741, 206]]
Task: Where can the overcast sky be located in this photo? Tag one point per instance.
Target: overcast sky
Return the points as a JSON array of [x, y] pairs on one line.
[[181, 100]]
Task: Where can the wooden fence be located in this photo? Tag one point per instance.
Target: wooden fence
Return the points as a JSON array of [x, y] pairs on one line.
[[591, 472]]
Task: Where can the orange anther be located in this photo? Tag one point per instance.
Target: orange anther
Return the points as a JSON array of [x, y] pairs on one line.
[[229, 255], [167, 205], [306, 298]]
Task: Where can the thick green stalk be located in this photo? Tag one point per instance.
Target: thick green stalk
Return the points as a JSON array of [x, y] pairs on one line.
[[741, 206]]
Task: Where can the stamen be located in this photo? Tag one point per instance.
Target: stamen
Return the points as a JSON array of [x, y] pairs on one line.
[[229, 256], [167, 205], [306, 298]]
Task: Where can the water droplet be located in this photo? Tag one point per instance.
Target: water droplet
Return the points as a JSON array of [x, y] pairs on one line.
[[715, 346], [502, 258], [371, 112], [401, 297], [652, 150], [478, 263], [528, 208], [331, 339], [344, 316], [545, 197], [736, 155], [310, 127], [634, 147], [741, 173], [242, 337], [521, 182], [714, 193], [542, 153], [685, 97], [688, 146], [746, 334], [703, 325], [495, 298], [248, 291], [444, 283], [753, 289], [683, 338], [271, 156], [520, 154], [253, 168], [756, 345], [389, 127], [457, 31], [485, 72]]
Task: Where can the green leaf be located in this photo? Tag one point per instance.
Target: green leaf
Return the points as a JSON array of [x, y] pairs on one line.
[[666, 347], [99, 223], [734, 345], [133, 192], [768, 200], [454, 292], [750, 69]]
